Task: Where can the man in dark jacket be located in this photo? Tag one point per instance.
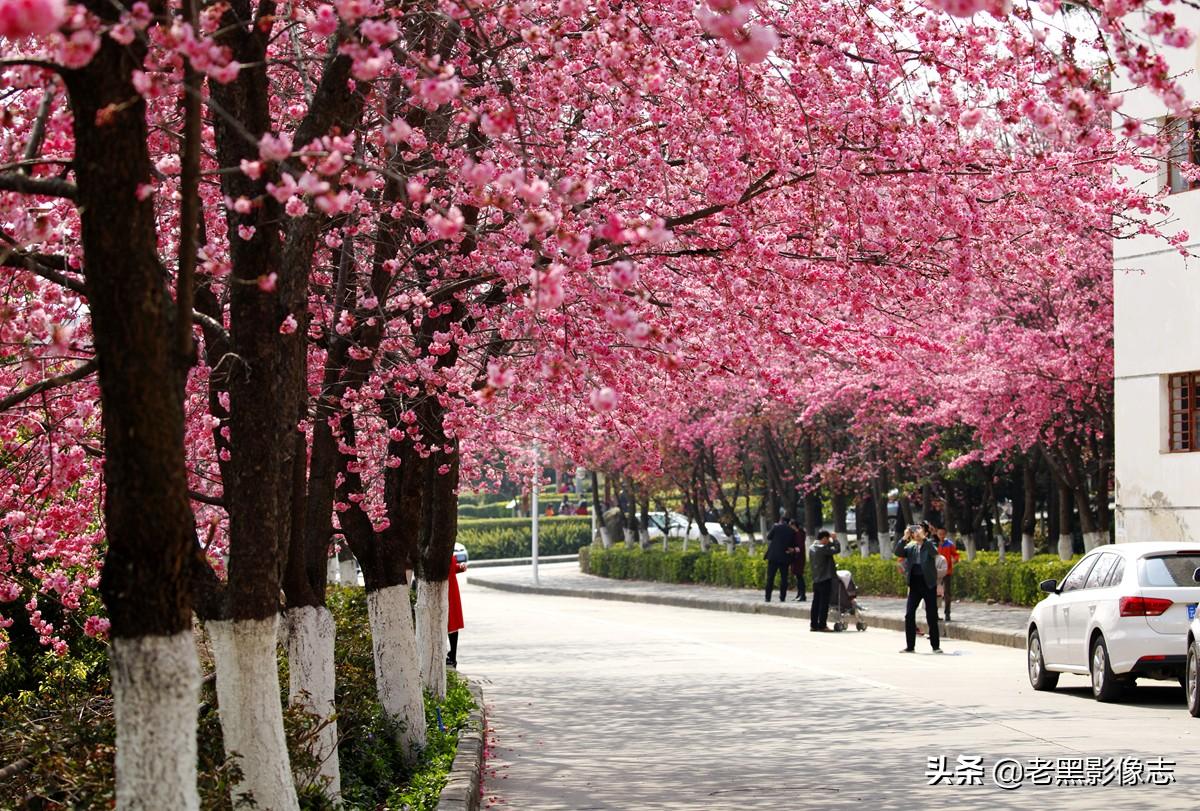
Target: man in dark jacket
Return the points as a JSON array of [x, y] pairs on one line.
[[920, 557], [823, 572], [781, 540]]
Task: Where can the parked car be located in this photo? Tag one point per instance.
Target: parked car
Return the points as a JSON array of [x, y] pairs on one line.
[[717, 532], [679, 526], [1120, 614], [1190, 687], [460, 554], [675, 524]]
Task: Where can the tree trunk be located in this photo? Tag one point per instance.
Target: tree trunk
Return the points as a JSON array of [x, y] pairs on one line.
[[155, 687], [1092, 537], [598, 513], [432, 609], [397, 673], [251, 710], [384, 557], [148, 522], [439, 526], [346, 570], [310, 637], [644, 524], [1029, 511], [879, 497], [1066, 544]]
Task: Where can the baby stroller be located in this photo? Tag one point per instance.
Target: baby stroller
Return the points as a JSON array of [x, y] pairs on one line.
[[843, 603]]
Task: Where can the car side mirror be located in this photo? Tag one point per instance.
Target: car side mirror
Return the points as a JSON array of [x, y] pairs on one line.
[[1196, 576], [1051, 586]]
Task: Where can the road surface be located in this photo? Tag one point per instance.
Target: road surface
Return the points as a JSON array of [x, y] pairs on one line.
[[608, 705]]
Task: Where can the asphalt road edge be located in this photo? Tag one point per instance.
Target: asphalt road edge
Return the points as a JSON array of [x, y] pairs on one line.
[[953, 630], [462, 789]]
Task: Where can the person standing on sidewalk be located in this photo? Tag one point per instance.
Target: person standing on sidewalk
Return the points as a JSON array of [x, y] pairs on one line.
[[823, 572], [454, 615], [799, 559], [948, 550], [920, 556], [781, 541]]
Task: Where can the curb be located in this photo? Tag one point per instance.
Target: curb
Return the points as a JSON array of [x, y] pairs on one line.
[[461, 792], [955, 630], [487, 564]]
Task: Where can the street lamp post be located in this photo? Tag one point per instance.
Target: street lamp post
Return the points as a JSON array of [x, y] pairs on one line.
[[534, 509]]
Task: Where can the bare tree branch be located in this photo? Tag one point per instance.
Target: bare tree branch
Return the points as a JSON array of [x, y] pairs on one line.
[[78, 373], [43, 186]]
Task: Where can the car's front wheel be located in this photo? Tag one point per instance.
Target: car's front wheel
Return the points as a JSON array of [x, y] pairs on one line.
[[1039, 676], [1190, 675], [1105, 685]]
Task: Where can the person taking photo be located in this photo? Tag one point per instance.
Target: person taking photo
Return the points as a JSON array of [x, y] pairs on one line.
[[919, 554]]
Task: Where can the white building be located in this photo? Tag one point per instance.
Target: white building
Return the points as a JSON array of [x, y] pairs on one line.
[[1157, 342]]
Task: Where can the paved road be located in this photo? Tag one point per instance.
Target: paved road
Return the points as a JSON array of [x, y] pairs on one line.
[[611, 705]]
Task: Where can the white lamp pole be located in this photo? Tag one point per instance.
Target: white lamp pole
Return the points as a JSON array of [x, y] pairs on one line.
[[534, 505]]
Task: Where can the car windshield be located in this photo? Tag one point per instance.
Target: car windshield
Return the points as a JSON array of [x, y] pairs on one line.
[[1169, 570]]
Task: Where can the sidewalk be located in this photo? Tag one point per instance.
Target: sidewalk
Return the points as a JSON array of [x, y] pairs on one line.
[[975, 622]]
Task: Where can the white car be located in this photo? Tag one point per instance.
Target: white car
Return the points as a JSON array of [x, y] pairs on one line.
[[678, 526], [1190, 687], [1120, 614]]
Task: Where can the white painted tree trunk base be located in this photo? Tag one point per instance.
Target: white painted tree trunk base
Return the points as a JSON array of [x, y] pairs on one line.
[[156, 689], [432, 606], [397, 677], [630, 538], [970, 544], [251, 711], [347, 573], [310, 638], [643, 538], [1027, 547], [1093, 539], [605, 538], [1066, 547], [331, 570]]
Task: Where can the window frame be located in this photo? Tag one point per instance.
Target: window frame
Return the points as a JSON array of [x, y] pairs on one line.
[[1190, 140], [1183, 423], [1101, 582], [1089, 561]]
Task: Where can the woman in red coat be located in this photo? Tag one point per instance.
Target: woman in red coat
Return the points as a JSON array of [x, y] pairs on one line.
[[454, 614]]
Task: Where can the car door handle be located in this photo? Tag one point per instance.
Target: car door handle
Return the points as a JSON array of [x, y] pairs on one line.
[[1091, 610]]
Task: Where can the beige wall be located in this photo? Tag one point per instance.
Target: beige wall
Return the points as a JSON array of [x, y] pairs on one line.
[[1156, 332]]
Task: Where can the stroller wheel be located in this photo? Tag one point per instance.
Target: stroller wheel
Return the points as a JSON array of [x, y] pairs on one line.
[[837, 626], [862, 626]]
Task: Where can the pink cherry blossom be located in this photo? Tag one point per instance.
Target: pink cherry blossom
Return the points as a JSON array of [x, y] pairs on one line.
[[22, 18]]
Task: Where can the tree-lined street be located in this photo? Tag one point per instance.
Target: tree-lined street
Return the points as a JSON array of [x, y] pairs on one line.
[[609, 705]]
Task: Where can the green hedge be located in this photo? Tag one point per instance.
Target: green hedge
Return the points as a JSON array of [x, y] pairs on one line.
[[496, 509], [985, 578], [491, 538]]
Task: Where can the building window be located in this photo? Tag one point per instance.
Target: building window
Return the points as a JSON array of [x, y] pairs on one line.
[[1185, 412], [1185, 152]]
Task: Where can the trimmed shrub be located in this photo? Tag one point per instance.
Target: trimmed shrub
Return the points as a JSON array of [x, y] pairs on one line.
[[985, 578], [496, 509], [491, 538]]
